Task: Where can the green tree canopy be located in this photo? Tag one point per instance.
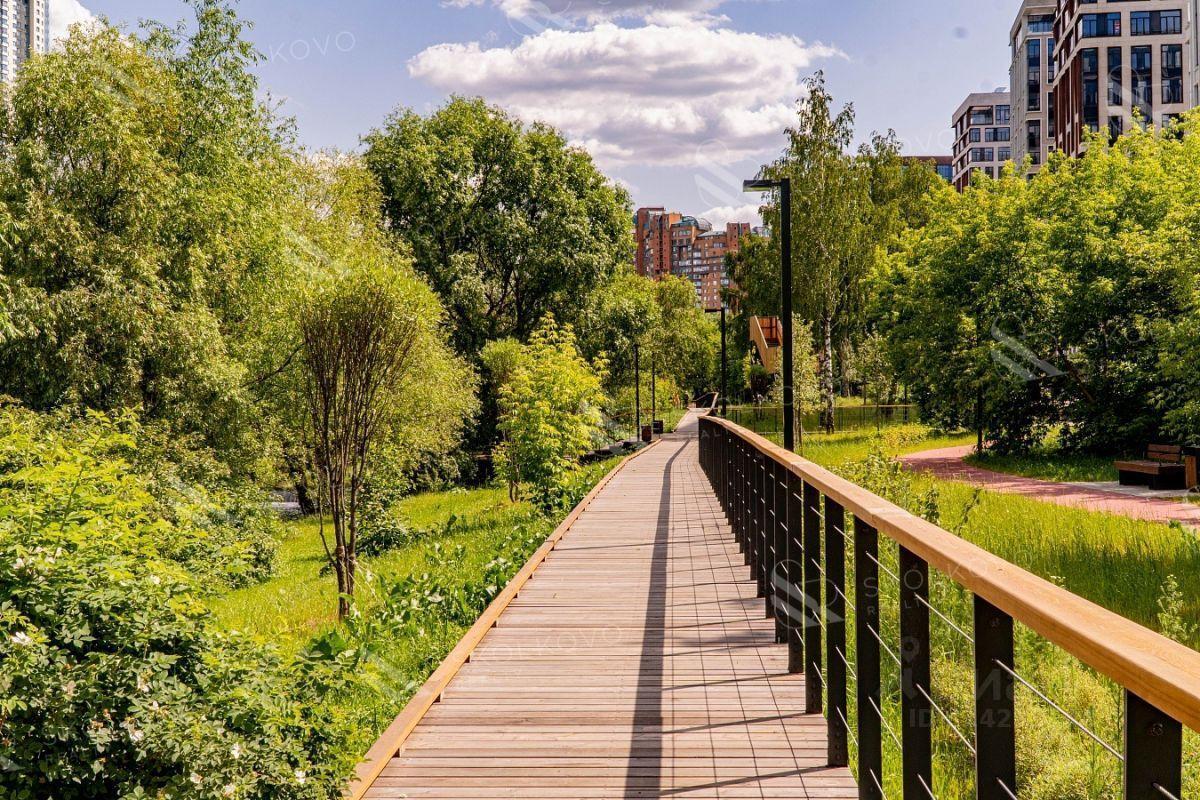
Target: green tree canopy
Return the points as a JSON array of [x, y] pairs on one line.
[[506, 220]]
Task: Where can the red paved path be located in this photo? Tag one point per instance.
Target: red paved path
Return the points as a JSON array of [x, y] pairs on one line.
[[948, 463]]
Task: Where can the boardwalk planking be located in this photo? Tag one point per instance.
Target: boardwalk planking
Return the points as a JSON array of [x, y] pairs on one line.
[[636, 663]]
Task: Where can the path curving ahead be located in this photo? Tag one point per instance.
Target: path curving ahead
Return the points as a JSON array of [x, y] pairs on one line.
[[637, 663], [948, 463]]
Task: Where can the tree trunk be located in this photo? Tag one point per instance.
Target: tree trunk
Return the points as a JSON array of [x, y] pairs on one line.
[[827, 388], [304, 498]]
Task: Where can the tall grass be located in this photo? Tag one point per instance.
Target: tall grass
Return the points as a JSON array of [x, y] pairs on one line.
[[1147, 572]]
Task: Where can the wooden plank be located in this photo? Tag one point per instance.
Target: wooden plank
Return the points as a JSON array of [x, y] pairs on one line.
[[1164, 673], [637, 664], [393, 738]]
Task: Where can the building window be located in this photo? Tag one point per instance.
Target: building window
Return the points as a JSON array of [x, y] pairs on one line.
[[1155, 23], [1141, 62], [1116, 127], [1033, 136], [1034, 72], [1116, 91], [1003, 114], [1004, 154], [1090, 68], [1172, 74], [1093, 25]]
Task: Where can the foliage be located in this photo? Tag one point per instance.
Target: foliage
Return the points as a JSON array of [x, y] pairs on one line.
[[549, 416], [372, 355], [1069, 298], [117, 682], [140, 214], [507, 221]]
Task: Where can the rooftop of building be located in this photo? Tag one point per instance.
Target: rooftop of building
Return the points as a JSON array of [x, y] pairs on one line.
[[1000, 97]]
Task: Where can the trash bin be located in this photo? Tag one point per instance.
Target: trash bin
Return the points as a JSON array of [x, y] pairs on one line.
[[647, 433], [659, 427]]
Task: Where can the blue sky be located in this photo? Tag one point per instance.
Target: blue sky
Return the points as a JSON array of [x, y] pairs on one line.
[[678, 99]]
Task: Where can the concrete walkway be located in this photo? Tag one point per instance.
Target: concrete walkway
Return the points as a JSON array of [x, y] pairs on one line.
[[948, 463]]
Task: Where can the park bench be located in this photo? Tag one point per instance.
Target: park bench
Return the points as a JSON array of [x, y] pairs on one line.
[[1163, 468]]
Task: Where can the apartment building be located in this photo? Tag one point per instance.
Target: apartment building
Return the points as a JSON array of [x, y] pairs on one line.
[[1115, 56], [982, 135], [668, 243], [24, 31], [652, 232], [1032, 76], [699, 255]]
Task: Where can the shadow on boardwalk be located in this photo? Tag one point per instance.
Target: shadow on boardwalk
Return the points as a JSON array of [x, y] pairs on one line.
[[636, 663]]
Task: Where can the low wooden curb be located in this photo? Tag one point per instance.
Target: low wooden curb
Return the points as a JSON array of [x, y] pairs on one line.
[[397, 734]]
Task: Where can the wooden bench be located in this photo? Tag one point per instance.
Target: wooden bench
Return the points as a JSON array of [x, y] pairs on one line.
[[1163, 468]]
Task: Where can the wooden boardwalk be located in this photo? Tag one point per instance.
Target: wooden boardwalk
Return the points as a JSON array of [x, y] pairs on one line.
[[636, 663]]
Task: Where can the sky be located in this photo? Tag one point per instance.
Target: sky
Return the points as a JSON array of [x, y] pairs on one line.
[[678, 100]]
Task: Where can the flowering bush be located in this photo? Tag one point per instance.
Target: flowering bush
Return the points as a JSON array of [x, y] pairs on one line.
[[116, 682]]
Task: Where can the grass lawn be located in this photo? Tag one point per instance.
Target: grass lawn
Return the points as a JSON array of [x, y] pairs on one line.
[[1050, 465], [300, 602]]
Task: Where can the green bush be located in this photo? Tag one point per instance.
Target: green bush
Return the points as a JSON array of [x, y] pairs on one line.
[[117, 682], [221, 530]]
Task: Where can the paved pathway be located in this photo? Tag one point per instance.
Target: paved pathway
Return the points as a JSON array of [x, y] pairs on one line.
[[636, 663], [948, 463]]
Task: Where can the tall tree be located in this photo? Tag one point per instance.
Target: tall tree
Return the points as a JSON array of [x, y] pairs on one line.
[[831, 205], [506, 220]]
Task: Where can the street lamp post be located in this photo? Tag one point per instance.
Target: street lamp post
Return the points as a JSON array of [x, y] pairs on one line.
[[637, 392], [724, 360], [784, 186]]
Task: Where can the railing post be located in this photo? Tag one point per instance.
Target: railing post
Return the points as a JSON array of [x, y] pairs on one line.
[[797, 612], [740, 477], [917, 716], [1153, 751], [866, 661], [771, 523], [995, 712], [756, 558], [835, 632], [779, 577], [812, 599]]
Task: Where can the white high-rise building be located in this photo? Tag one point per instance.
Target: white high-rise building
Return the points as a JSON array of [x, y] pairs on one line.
[[24, 31]]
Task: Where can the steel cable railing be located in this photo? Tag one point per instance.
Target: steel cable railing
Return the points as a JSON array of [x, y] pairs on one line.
[[789, 519]]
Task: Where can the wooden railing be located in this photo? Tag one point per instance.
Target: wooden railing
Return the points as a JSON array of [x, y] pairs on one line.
[[789, 517]]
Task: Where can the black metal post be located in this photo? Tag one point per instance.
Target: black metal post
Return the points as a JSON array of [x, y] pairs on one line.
[[835, 632], [724, 367], [789, 406], [995, 712], [653, 387], [1153, 751], [797, 613], [779, 547], [917, 711], [637, 392], [812, 599], [866, 662]]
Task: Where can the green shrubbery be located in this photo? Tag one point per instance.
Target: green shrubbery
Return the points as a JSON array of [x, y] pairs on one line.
[[116, 680]]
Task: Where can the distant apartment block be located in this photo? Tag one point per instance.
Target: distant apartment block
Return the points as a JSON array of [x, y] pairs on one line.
[[982, 135], [652, 230], [24, 31], [1115, 56], [1032, 76], [669, 243]]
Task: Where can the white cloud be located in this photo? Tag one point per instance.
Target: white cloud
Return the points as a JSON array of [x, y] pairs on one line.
[[64, 14], [724, 214], [655, 94]]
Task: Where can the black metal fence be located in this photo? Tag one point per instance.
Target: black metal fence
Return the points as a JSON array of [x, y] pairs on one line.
[[768, 419], [790, 521]]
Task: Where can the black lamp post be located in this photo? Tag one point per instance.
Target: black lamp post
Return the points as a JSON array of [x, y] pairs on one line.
[[784, 185], [637, 392], [724, 360]]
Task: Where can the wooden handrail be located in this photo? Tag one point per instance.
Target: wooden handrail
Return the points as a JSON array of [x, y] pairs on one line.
[[1162, 672], [392, 739]]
